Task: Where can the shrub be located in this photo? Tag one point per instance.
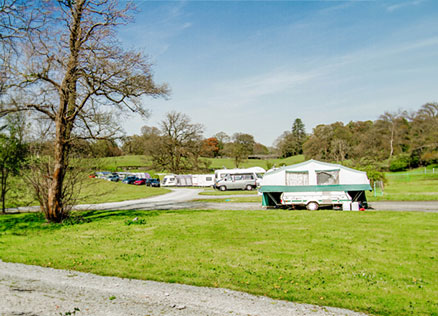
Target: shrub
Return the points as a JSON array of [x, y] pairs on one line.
[[399, 163]]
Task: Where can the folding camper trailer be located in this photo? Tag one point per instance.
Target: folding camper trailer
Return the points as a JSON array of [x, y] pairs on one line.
[[313, 184]]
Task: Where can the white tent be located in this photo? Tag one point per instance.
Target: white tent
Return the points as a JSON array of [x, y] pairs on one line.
[[312, 176]]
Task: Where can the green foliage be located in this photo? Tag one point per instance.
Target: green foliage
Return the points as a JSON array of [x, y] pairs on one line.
[[399, 163], [13, 153], [385, 139], [380, 263]]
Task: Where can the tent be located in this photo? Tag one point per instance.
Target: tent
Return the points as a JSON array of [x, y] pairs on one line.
[[313, 182]]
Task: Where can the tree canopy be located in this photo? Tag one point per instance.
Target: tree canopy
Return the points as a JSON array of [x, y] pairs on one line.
[[72, 72]]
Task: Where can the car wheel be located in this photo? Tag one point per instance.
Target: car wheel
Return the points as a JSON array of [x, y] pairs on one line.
[[312, 206], [223, 188], [249, 187]]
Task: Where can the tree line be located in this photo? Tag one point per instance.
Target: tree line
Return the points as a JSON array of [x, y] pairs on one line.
[[395, 141]]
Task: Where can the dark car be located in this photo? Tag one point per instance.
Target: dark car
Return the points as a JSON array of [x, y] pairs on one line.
[[130, 179], [149, 181], [140, 181], [155, 183]]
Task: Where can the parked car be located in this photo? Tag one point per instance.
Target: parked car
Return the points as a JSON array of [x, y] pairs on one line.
[[113, 178], [150, 180], [130, 180], [140, 181], [155, 183]]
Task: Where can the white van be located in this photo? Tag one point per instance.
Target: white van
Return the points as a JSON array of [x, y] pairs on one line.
[[237, 181]]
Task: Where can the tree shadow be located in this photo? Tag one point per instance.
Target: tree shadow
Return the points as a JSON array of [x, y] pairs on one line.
[[18, 224]]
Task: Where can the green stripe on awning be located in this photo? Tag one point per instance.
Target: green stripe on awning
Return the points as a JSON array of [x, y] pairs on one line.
[[315, 188]]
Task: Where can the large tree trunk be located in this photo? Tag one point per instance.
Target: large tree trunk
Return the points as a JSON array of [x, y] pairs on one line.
[[55, 209]]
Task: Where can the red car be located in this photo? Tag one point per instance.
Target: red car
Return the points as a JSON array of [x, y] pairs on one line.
[[140, 182]]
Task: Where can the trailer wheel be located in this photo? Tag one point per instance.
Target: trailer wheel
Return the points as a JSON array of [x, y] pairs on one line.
[[312, 206], [223, 188], [249, 187]]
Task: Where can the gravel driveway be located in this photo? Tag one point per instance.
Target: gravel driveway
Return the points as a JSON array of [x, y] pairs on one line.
[[32, 290]]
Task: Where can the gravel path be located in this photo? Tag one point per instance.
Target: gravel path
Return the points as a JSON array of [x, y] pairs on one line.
[[31, 290]]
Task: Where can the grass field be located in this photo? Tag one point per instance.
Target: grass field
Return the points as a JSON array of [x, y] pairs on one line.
[[382, 263], [93, 191], [101, 191], [409, 186], [113, 163]]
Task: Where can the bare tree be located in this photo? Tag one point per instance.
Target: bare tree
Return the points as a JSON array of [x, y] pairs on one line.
[[179, 146], [391, 123], [72, 71]]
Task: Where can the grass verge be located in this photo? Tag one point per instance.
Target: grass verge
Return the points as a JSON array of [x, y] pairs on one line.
[[381, 263], [101, 191]]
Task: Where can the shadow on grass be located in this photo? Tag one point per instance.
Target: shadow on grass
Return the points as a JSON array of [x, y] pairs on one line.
[[16, 223]]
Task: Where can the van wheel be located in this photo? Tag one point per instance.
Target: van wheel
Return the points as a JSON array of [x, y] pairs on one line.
[[223, 188], [249, 187], [312, 206]]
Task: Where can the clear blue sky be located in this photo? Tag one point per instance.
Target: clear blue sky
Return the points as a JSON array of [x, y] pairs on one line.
[[255, 66]]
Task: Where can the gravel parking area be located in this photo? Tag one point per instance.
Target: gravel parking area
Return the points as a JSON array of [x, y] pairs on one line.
[[36, 291]]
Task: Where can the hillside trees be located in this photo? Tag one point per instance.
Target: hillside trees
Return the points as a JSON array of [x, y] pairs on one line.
[[72, 72], [141, 144], [395, 140]]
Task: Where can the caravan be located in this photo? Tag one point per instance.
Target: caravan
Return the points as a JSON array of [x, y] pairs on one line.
[[203, 180], [184, 180]]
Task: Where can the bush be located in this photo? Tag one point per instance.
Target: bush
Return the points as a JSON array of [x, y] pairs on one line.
[[399, 163]]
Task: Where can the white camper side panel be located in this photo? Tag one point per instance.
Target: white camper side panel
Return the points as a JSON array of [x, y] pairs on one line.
[[203, 180]]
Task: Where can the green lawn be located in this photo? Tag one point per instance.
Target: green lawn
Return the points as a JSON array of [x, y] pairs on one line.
[[101, 191], [113, 163], [409, 186], [93, 191], [382, 263]]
